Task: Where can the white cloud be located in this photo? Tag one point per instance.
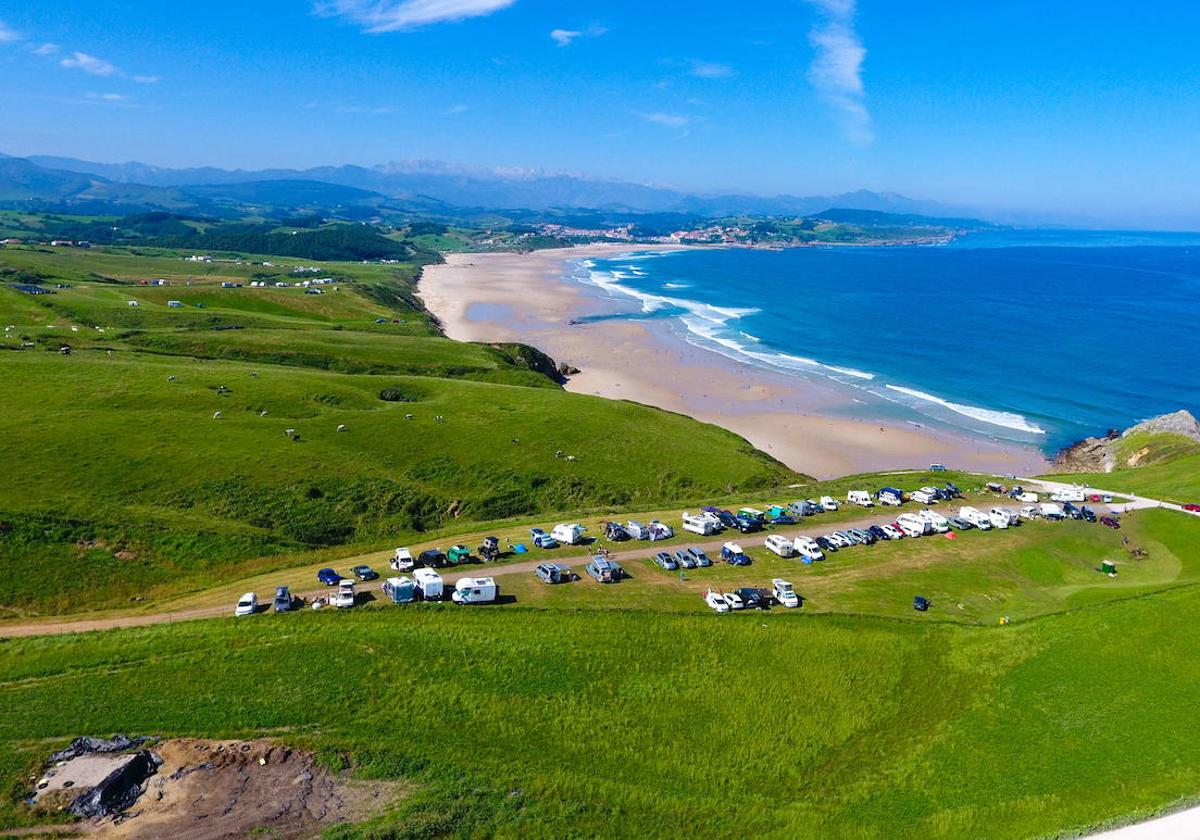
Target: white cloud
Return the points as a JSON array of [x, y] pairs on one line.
[[45, 49], [455, 110], [564, 37], [710, 70], [7, 35], [836, 69], [395, 15], [147, 80], [108, 97], [662, 118], [90, 64]]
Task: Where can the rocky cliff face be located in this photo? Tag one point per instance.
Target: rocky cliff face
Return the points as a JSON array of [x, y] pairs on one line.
[[1100, 454]]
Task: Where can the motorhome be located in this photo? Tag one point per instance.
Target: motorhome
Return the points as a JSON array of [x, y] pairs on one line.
[[924, 496], [808, 547], [475, 591], [345, 594], [1000, 517], [780, 545], [890, 496], [403, 561], [912, 524], [400, 590], [1049, 510], [428, 584], [699, 523], [1068, 495], [936, 521], [860, 497], [976, 517], [568, 534], [784, 594]]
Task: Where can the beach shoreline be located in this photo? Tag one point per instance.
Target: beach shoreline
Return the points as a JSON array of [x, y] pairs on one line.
[[815, 428]]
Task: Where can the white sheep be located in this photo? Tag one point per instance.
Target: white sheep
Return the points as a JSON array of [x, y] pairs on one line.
[[342, 427], [216, 415], [289, 432]]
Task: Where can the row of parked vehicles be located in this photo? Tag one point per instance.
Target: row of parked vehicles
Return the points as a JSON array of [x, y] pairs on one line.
[[748, 597]]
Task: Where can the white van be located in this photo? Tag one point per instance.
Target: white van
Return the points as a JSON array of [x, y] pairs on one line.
[[1028, 497], [475, 591], [1051, 511], [429, 584], [936, 521], [779, 544], [699, 523], [860, 497], [828, 503], [403, 561], [247, 604], [345, 594], [808, 547], [976, 517], [784, 594]]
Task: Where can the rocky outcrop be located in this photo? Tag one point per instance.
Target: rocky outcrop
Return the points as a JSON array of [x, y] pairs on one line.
[[1099, 454]]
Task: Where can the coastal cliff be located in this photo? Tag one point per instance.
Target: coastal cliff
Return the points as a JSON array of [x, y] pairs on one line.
[[1131, 448]]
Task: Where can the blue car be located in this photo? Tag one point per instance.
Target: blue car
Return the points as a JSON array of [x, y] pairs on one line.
[[541, 539], [665, 560], [329, 577], [784, 519]]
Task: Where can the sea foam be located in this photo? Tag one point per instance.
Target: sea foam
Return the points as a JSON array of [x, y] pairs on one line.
[[1007, 419]]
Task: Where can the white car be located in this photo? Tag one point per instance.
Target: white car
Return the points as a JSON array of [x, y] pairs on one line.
[[780, 545], [911, 524], [246, 605], [734, 601], [1029, 512], [838, 540], [892, 532], [828, 503], [784, 594], [809, 548], [403, 561], [716, 601], [345, 594]]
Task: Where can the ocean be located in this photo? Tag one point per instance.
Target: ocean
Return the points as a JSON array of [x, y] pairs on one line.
[[1036, 337]]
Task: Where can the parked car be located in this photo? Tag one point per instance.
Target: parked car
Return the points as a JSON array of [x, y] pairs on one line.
[[541, 539], [779, 545], [699, 556], [751, 598], [684, 559], [329, 577], [809, 547], [716, 601], [603, 570], [865, 537], [664, 559], [1088, 513], [747, 524], [784, 594], [952, 491], [732, 554], [826, 544], [1070, 510], [878, 532], [283, 599], [364, 572], [246, 605], [734, 601], [784, 519], [553, 573], [959, 524], [828, 503], [345, 596], [920, 604], [937, 467], [1028, 512], [1192, 508], [458, 554], [403, 561], [431, 558], [892, 532], [489, 549], [1110, 521]]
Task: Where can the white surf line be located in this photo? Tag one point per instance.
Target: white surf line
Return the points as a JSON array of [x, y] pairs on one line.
[[1184, 825]]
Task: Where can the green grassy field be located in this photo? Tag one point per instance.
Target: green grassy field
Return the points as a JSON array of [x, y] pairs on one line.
[[536, 722]]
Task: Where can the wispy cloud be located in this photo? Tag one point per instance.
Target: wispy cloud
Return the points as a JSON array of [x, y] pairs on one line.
[[89, 64], [395, 15], [46, 49], [663, 118], [564, 37], [836, 69], [147, 80], [108, 97], [455, 110], [710, 70], [8, 35]]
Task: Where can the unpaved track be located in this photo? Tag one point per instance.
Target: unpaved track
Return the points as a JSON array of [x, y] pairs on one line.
[[636, 551]]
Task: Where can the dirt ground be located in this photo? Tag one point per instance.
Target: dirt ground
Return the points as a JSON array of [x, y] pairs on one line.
[[217, 789]]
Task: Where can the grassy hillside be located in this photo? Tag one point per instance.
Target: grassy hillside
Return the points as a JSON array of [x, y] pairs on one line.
[[1161, 466], [135, 489], [639, 723]]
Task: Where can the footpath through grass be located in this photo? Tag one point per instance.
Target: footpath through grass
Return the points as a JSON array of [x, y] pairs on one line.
[[551, 723]]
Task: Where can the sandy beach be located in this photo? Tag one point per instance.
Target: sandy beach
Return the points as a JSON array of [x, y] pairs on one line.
[[815, 428]]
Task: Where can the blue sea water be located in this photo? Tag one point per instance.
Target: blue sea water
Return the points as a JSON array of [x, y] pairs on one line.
[[1039, 337]]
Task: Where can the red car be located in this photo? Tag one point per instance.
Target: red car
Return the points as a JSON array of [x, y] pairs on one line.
[[1192, 508], [1110, 521]]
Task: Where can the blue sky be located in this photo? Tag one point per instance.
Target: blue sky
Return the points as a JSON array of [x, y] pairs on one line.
[[1080, 108]]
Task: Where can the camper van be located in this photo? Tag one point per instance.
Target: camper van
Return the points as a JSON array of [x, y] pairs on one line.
[[732, 554], [568, 534], [699, 523], [1000, 517], [912, 525], [780, 545], [345, 594], [475, 591], [890, 496], [936, 521], [403, 561], [400, 590], [784, 594], [976, 517], [1050, 510], [860, 497], [807, 547], [924, 496], [428, 584], [1068, 495], [1028, 497]]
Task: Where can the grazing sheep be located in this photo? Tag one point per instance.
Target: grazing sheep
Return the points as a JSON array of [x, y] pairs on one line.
[[262, 413], [571, 458], [171, 378], [289, 432], [216, 415], [342, 427], [408, 417]]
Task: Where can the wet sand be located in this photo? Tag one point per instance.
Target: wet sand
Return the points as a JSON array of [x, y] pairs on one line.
[[816, 428]]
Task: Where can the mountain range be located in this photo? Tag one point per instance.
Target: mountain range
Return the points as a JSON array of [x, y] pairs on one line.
[[423, 187]]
